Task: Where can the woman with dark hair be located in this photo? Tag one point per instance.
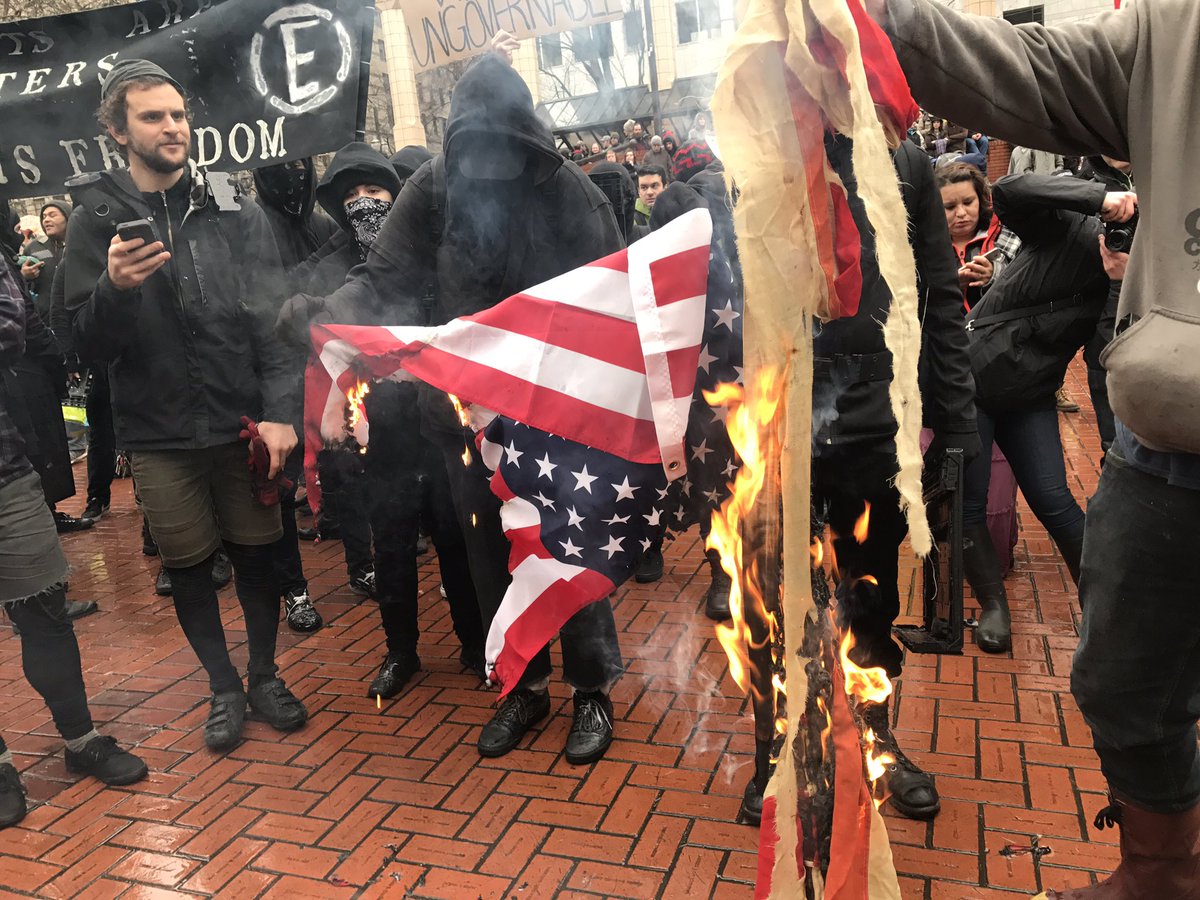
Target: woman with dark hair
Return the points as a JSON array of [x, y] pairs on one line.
[[669, 143], [974, 231]]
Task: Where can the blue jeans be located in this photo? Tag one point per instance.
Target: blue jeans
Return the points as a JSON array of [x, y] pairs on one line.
[[978, 146], [1030, 441], [1136, 674]]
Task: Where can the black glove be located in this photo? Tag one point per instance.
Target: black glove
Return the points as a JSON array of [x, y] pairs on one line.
[[966, 441], [298, 313]]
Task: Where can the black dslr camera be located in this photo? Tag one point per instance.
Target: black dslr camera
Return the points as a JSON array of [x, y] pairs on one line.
[[1118, 236]]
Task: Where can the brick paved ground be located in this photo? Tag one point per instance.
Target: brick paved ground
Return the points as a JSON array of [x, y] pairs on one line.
[[397, 802]]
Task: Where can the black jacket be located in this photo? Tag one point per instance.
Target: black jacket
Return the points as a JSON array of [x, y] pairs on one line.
[[549, 220], [851, 402], [192, 350], [50, 252], [1020, 347]]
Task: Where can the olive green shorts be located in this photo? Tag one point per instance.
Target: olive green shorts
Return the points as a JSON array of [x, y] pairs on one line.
[[195, 499]]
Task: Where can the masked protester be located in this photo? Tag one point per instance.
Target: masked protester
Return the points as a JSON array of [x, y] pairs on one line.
[[287, 195], [498, 212], [190, 358], [402, 480]]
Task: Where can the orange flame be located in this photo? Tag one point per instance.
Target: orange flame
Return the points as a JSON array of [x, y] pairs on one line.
[[462, 411], [749, 423], [355, 397], [863, 525], [868, 686]]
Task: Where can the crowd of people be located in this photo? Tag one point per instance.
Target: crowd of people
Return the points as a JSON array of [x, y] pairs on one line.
[[196, 367]]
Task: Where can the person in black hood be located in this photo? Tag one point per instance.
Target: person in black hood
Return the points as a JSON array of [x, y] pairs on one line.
[[405, 476], [408, 159], [44, 256], [184, 324], [287, 193], [854, 452], [498, 212]]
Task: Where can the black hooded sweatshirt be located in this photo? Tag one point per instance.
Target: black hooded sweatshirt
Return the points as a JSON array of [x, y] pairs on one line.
[[477, 242], [299, 231], [620, 188], [354, 164]]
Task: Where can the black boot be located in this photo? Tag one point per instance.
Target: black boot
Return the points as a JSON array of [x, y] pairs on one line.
[[395, 672], [102, 758], [12, 796], [716, 601], [912, 792], [1071, 552], [650, 567], [77, 609], [752, 804], [982, 569]]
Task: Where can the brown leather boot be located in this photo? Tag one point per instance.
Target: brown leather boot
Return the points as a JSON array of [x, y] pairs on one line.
[[1160, 855]]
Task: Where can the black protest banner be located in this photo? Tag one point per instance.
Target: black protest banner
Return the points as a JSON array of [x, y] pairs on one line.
[[441, 31], [267, 81]]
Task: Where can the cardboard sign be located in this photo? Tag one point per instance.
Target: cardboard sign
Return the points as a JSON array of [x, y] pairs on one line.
[[441, 31], [268, 81]]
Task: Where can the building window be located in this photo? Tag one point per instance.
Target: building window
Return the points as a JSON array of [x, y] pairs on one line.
[[592, 42], [1034, 14], [696, 19], [549, 52], [633, 31]]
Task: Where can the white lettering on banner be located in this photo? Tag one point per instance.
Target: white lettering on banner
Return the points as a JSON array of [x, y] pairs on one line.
[[35, 79], [30, 173], [241, 142], [301, 98], [23, 42], [110, 153], [442, 31], [73, 70], [141, 25], [75, 155]]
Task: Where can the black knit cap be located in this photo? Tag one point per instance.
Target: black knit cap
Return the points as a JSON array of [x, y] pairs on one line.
[[128, 69]]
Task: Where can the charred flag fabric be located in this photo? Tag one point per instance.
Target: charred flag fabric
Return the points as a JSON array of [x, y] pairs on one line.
[[586, 394]]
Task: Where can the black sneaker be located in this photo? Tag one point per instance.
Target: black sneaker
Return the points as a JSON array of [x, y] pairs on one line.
[[308, 534], [592, 730], [149, 546], [226, 715], [162, 584], [222, 570], [302, 616], [363, 583], [650, 568], [95, 509], [512, 719], [274, 704], [395, 672], [65, 524], [103, 759], [12, 796]]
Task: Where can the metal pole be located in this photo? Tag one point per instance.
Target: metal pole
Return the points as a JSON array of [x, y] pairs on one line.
[[652, 56]]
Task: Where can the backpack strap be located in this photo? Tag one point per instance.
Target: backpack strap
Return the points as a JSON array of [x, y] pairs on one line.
[[437, 200], [1025, 312]]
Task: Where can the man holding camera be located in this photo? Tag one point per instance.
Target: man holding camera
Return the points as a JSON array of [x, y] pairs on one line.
[[1096, 86], [170, 280]]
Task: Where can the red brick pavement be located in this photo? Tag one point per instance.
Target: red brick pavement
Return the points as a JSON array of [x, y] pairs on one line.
[[396, 802]]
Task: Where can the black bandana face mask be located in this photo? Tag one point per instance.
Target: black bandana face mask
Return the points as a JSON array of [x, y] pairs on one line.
[[366, 215]]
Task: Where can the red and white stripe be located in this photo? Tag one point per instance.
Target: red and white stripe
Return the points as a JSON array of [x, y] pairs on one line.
[[605, 354]]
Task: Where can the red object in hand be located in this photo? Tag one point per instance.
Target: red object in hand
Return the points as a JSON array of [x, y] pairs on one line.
[[266, 490]]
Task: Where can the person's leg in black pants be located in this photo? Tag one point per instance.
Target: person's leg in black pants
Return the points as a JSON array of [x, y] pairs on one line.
[[302, 616], [50, 660], [258, 594], [868, 596], [1136, 673], [199, 616], [102, 443], [453, 562]]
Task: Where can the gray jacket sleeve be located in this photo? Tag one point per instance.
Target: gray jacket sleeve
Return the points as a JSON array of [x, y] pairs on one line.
[[1063, 88]]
